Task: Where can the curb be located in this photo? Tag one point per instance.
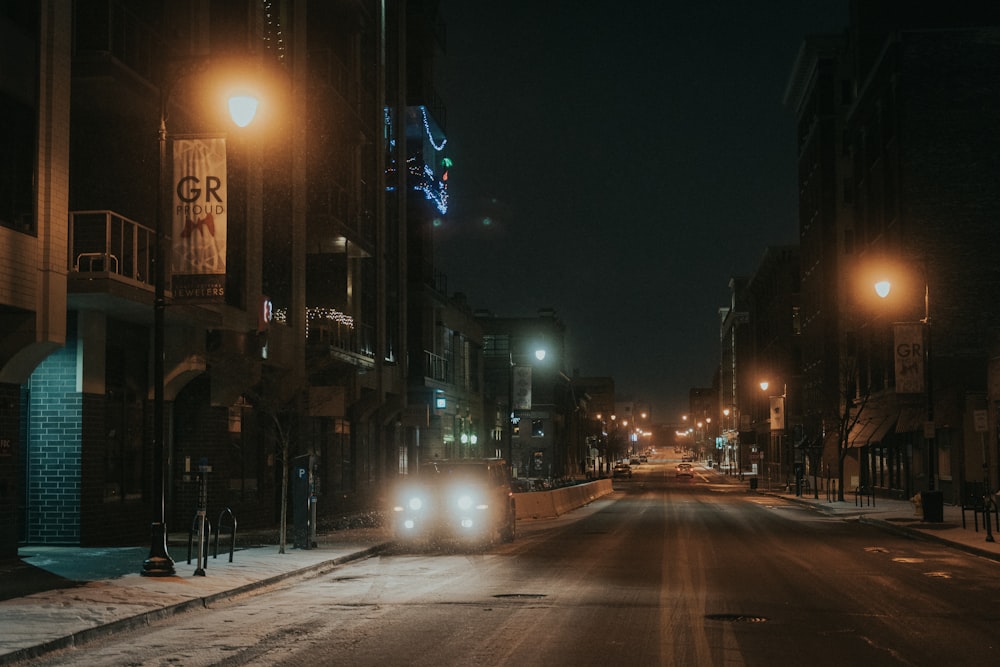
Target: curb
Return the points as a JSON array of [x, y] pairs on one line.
[[929, 537], [146, 618], [861, 517]]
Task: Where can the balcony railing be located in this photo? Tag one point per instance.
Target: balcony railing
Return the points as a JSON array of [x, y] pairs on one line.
[[436, 367], [107, 243], [337, 330]]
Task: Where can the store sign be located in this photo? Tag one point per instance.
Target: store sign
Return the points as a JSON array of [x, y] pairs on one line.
[[909, 351], [522, 387], [777, 413], [981, 421]]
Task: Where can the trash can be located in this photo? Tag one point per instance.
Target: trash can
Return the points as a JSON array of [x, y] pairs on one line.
[[933, 504], [753, 483]]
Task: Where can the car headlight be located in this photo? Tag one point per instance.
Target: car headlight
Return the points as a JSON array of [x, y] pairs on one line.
[[415, 503], [465, 502]]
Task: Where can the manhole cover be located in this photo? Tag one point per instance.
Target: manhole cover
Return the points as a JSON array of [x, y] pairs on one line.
[[736, 618], [879, 550], [530, 596], [907, 560]]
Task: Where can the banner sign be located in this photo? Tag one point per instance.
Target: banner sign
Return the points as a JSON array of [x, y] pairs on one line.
[[198, 220], [777, 413], [908, 351], [522, 387]]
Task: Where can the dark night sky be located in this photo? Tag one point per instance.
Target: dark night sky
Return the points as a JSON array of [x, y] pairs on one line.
[[631, 158]]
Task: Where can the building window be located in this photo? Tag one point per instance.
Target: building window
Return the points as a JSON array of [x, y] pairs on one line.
[[403, 461], [496, 345], [944, 453], [125, 381], [17, 165], [537, 428], [244, 450]]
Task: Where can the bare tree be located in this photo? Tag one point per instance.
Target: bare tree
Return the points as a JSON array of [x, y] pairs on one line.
[[851, 405], [281, 406]]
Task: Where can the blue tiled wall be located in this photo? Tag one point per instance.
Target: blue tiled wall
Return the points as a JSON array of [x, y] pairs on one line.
[[53, 462]]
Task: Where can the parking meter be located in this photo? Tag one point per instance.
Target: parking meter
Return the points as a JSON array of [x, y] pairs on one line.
[[304, 501]]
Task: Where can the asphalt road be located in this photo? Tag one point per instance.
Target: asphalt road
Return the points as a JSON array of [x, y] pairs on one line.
[[665, 571]]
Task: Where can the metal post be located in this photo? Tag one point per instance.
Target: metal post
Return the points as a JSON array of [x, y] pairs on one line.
[[510, 413], [988, 501], [159, 563], [928, 389]]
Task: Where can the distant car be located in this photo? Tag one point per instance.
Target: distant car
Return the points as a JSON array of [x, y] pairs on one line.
[[687, 457], [622, 470], [643, 459], [685, 470], [634, 461]]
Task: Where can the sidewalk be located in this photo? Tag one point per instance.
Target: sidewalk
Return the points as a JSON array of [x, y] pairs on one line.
[[903, 517], [53, 597]]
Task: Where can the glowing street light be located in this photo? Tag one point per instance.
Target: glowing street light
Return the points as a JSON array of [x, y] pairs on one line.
[[242, 109], [539, 354], [882, 289], [159, 563]]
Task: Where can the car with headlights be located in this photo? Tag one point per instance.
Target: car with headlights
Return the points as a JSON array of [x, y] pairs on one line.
[[684, 470], [462, 499], [622, 470]]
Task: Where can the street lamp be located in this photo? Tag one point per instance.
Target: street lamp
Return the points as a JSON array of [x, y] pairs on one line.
[[882, 289], [727, 432], [776, 428], [242, 109], [524, 398]]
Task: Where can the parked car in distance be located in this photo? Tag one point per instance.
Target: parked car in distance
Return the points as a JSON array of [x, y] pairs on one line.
[[622, 470], [685, 470]]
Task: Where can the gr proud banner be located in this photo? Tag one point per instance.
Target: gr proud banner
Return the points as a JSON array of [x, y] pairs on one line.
[[198, 220]]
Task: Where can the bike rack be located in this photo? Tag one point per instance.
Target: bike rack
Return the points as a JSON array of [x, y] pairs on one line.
[[864, 494], [218, 531]]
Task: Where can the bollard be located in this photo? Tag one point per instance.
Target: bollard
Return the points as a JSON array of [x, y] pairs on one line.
[[990, 507]]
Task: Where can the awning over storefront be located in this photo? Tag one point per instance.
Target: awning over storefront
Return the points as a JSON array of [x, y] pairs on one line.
[[911, 420], [871, 429]]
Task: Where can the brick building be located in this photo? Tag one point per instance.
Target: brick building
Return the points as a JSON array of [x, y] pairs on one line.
[[302, 350]]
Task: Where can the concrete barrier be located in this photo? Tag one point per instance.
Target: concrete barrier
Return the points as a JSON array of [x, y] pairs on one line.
[[550, 504]]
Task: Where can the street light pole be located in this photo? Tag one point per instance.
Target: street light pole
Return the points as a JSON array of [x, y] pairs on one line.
[[510, 413], [242, 108], [929, 391], [882, 288], [159, 563]]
